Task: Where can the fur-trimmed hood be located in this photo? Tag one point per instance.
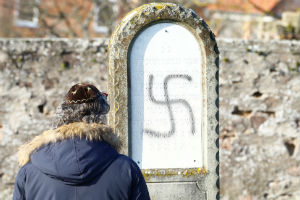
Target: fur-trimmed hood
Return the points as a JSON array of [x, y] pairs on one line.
[[91, 132], [73, 153]]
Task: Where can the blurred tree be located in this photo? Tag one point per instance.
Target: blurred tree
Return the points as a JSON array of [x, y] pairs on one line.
[[57, 18]]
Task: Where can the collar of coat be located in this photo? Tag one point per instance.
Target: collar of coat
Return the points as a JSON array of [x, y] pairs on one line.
[[98, 132]]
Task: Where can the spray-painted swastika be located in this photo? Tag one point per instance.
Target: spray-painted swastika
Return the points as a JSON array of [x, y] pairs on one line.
[[169, 102]]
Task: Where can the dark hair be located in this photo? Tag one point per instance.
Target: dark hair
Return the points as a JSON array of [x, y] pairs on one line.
[[92, 112]]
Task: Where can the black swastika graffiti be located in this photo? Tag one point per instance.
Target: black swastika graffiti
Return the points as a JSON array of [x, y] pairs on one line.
[[169, 102]]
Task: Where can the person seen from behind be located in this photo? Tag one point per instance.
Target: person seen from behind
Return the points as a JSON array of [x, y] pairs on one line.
[[79, 159]]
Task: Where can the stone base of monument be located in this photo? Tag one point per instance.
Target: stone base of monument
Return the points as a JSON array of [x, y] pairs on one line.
[[163, 82], [176, 190]]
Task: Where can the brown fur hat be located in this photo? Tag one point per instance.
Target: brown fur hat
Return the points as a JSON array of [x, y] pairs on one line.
[[82, 93]]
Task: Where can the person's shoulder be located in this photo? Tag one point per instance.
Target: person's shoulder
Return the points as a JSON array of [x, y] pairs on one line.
[[22, 173], [25, 169], [125, 158], [27, 166], [126, 161]]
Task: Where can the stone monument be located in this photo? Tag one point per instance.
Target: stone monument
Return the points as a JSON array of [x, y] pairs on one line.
[[163, 85]]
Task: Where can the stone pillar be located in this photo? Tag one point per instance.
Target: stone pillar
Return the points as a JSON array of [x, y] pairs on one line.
[[163, 85]]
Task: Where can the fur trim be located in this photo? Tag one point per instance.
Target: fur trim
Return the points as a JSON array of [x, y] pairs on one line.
[[90, 132]]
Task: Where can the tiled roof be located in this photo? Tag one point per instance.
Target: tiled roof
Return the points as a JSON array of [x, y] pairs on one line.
[[248, 6]]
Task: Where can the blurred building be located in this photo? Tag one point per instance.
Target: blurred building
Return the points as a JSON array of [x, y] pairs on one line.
[[57, 18], [249, 19], [255, 19]]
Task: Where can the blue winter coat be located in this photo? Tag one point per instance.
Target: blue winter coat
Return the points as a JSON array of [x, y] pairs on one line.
[[77, 161]]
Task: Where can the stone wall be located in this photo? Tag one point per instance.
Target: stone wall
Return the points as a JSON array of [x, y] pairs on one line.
[[259, 107], [259, 120]]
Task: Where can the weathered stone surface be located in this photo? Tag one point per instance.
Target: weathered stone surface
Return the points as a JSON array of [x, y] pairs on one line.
[[258, 81], [34, 77], [259, 102]]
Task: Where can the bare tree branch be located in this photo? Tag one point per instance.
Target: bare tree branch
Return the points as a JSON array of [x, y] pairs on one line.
[[66, 20], [266, 12], [50, 28], [87, 21]]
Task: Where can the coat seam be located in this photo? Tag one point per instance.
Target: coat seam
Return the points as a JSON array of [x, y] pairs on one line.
[[23, 183], [75, 192], [76, 157]]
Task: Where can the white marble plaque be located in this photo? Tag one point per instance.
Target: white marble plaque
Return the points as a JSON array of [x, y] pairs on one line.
[[166, 98]]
